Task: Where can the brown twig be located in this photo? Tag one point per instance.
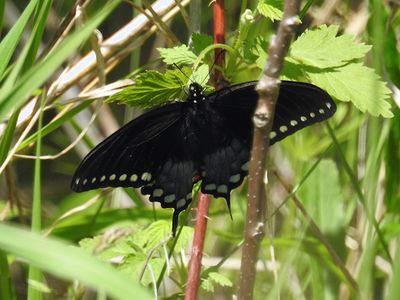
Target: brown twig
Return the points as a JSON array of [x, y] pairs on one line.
[[268, 88], [320, 236], [204, 200]]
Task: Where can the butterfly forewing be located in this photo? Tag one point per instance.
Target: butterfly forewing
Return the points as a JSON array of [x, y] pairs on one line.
[[131, 155], [298, 105]]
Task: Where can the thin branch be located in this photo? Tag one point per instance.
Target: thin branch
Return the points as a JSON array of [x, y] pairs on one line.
[[268, 89]]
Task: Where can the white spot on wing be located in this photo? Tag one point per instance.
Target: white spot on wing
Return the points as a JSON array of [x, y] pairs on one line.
[[94, 179], [122, 177], [223, 189], [103, 178], [283, 128], [321, 111], [77, 181], [272, 134], [113, 176], [169, 198], [293, 122], [312, 115], [210, 187], [234, 178], [146, 176], [189, 196], [158, 192], [328, 105], [245, 166], [303, 118], [84, 181], [133, 178], [180, 203]]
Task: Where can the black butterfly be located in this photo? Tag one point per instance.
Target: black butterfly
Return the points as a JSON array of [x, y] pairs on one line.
[[208, 137]]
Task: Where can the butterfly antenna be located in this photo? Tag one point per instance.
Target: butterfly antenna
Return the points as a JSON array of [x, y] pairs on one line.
[[212, 66], [179, 68]]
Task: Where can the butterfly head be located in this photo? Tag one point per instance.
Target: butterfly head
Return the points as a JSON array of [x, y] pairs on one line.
[[196, 94]]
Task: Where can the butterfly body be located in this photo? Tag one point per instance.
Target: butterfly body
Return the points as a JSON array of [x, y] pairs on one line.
[[208, 137]]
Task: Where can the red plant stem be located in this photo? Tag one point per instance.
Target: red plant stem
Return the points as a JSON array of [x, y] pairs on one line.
[[219, 37], [197, 248], [196, 254]]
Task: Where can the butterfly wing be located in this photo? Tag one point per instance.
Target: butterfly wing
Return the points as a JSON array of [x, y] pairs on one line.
[[298, 105], [150, 152], [123, 159]]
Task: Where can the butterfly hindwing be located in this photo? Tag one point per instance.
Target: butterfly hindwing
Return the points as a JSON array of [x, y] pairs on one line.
[[298, 105]]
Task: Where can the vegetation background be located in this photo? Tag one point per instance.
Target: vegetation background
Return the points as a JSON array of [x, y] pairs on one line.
[[53, 242]]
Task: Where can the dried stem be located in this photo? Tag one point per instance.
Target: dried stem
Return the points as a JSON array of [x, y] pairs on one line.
[[204, 200], [268, 88]]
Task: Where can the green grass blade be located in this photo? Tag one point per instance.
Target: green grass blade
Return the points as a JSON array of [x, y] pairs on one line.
[[10, 42], [40, 24], [6, 291], [68, 262], [7, 137], [37, 75], [2, 9], [35, 275]]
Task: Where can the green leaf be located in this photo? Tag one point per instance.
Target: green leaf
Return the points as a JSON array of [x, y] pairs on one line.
[[358, 84], [222, 280], [68, 262], [201, 75], [322, 48], [154, 88], [207, 285], [201, 41], [180, 55], [271, 9], [134, 264]]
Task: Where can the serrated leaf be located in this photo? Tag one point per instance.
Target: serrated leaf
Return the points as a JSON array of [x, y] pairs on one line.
[[153, 88], [207, 285], [180, 55], [261, 56], [157, 232], [201, 41], [358, 84], [185, 237], [201, 75], [134, 264], [271, 9], [222, 280], [322, 48]]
